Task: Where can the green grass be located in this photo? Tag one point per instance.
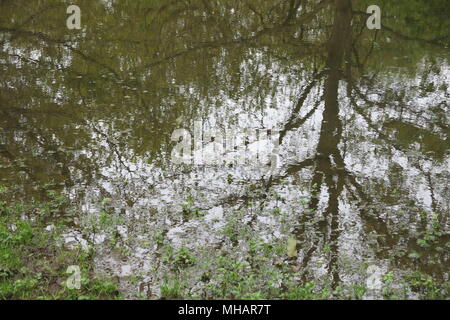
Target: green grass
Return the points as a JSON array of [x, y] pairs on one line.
[[34, 261]]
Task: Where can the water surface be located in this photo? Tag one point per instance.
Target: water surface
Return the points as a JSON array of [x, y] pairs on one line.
[[361, 180]]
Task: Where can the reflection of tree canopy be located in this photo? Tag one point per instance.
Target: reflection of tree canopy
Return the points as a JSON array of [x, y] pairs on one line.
[[137, 66]]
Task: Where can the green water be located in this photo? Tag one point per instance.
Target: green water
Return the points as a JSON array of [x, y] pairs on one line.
[[362, 175]]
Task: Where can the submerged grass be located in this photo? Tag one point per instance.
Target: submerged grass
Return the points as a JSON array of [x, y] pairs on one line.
[[34, 260]]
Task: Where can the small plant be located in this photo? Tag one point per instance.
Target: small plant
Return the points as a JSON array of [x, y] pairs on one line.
[[305, 292], [171, 290], [159, 238], [183, 258], [427, 287], [359, 291], [189, 211]]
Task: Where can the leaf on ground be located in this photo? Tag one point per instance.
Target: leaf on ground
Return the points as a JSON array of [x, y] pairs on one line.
[[292, 247]]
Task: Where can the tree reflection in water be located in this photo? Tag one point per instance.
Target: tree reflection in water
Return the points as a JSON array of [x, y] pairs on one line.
[[363, 116]]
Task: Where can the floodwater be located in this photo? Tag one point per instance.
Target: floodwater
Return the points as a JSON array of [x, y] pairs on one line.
[[327, 134]]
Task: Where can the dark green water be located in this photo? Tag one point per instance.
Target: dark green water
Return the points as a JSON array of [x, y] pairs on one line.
[[362, 176]]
